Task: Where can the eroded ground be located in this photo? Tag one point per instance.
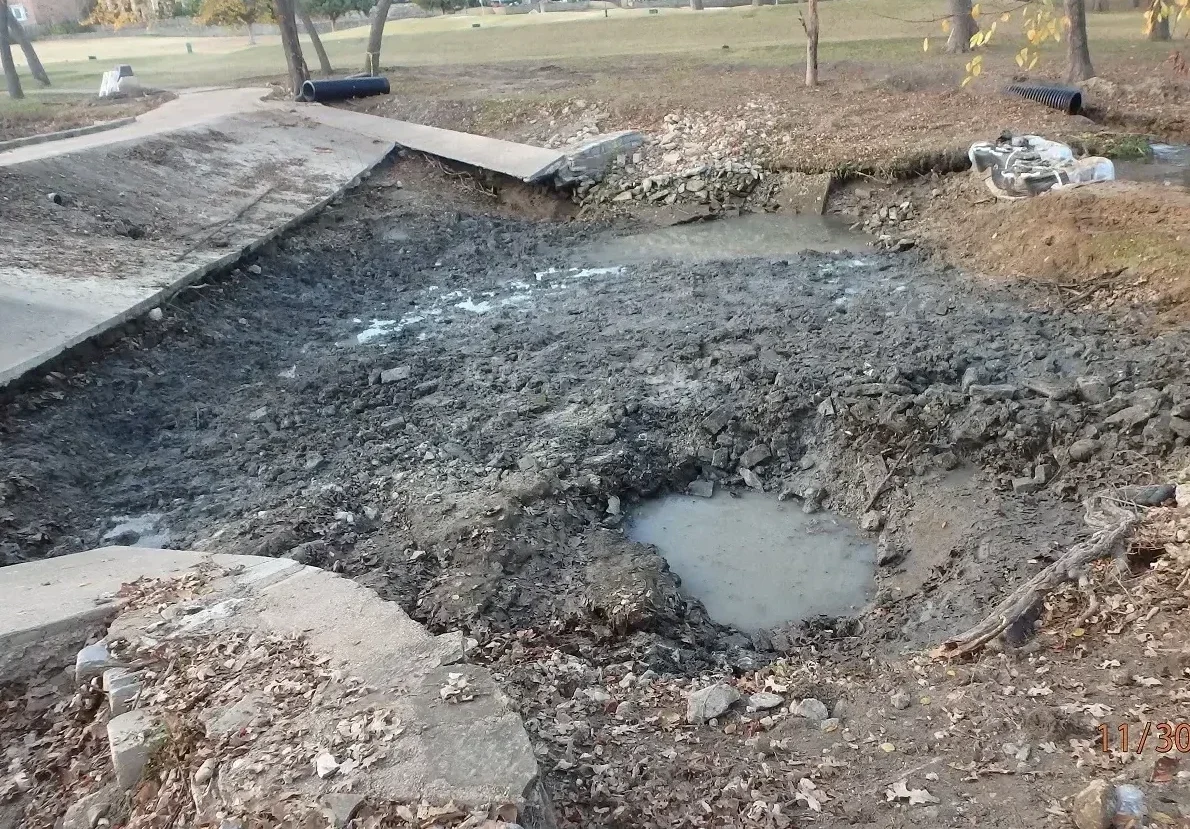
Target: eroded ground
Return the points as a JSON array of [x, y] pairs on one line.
[[446, 400]]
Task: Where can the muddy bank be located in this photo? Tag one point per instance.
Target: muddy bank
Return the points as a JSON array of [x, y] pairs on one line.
[[444, 402]]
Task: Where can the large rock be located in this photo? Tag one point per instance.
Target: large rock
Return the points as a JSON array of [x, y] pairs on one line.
[[711, 702], [132, 738], [811, 709], [1095, 806]]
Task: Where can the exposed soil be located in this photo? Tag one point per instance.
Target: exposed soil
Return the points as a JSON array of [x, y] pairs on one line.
[[463, 456], [54, 113]]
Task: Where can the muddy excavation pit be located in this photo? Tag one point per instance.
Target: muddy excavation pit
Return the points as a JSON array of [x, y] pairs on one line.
[[475, 412]]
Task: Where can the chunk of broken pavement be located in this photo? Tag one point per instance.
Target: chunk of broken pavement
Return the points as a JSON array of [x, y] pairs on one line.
[[91, 662], [811, 709], [1093, 389], [755, 455], [751, 479], [710, 702], [395, 375], [132, 738], [1095, 806], [700, 488]]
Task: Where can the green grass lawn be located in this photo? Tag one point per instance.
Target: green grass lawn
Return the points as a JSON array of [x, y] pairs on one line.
[[874, 30]]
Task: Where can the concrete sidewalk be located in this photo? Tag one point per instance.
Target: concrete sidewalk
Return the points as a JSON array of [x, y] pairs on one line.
[[472, 751]]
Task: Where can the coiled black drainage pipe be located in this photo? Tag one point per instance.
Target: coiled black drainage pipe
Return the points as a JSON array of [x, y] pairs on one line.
[[339, 89], [1065, 98]]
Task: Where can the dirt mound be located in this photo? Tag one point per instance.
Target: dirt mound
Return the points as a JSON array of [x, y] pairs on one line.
[[1102, 246]]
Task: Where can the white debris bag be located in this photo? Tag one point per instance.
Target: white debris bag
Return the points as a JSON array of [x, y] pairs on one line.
[[120, 80], [1017, 167]]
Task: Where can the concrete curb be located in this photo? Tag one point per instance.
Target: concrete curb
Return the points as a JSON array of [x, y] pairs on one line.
[[11, 375], [44, 137]]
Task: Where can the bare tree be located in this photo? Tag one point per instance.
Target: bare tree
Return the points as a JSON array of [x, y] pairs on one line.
[[324, 63], [18, 32], [962, 26], [376, 36], [10, 67], [1158, 20], [294, 61], [696, 5], [1078, 52], [1101, 6], [810, 24]]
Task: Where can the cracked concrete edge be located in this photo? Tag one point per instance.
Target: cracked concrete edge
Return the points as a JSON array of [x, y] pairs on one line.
[[15, 373], [74, 132]]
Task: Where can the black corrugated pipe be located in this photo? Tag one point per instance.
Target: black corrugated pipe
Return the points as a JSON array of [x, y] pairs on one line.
[[342, 88], [1065, 98]]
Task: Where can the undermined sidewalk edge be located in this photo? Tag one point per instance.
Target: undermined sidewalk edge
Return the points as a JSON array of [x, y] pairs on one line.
[[10, 378]]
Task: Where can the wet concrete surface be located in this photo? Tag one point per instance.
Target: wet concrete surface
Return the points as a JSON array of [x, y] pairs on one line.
[[756, 562]]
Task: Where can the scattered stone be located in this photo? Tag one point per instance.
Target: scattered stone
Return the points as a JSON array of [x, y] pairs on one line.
[[91, 662], [613, 505], [325, 765], [1182, 495], [888, 552], [1054, 388], [1026, 486], [755, 455], [395, 375], [1083, 450], [86, 812], [829, 724], [1129, 418], [701, 488], [1093, 389], [314, 462], [257, 415], [1095, 806], [205, 772], [234, 718], [122, 688], [156, 315], [711, 702], [811, 709], [871, 521], [255, 270], [341, 808], [1153, 495], [1002, 391], [900, 700], [133, 737], [716, 420], [752, 479], [1179, 426], [764, 700]]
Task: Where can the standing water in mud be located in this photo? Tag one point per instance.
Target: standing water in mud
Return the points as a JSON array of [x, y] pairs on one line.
[[755, 562]]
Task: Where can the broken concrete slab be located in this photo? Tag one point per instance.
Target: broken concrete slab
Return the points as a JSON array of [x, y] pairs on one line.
[[592, 156], [133, 737], [470, 748]]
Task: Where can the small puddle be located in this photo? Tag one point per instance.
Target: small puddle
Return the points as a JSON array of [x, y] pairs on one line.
[[756, 562], [755, 234], [1169, 164]]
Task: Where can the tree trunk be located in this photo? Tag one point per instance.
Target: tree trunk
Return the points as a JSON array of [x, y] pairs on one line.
[[324, 63], [372, 59], [10, 67], [35, 68], [1101, 6], [696, 5], [811, 24], [962, 27], [251, 34], [1158, 23], [287, 21], [1078, 51]]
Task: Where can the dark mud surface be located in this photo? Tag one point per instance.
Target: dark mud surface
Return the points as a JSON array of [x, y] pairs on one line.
[[461, 458]]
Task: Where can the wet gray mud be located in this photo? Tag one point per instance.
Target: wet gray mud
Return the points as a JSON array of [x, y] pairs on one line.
[[756, 562], [463, 454]]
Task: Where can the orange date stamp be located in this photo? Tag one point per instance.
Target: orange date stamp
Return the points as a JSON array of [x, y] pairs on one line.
[[1161, 737]]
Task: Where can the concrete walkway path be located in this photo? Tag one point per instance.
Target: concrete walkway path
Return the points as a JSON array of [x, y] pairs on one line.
[[136, 205]]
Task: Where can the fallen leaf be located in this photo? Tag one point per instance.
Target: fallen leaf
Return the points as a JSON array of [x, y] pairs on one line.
[[915, 797]]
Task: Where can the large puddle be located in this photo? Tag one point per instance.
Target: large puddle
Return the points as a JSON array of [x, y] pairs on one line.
[[1169, 164], [771, 235], [756, 562]]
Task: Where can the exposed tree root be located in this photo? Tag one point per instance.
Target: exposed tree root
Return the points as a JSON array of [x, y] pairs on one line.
[[1113, 524]]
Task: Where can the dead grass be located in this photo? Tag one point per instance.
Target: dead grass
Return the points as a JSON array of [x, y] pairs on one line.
[[49, 113]]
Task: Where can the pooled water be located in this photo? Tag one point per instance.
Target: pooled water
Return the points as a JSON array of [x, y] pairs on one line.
[[756, 562], [1168, 164]]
